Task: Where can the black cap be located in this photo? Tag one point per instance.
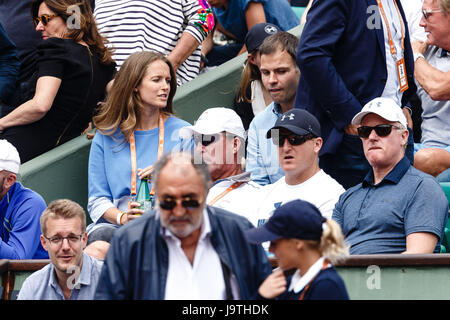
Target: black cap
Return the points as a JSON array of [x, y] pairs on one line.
[[298, 121], [295, 219], [256, 35]]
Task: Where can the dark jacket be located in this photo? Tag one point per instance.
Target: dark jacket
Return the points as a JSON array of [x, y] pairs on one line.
[[341, 56], [137, 262]]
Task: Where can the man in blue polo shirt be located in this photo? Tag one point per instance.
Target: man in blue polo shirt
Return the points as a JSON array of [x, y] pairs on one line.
[[397, 208], [20, 210]]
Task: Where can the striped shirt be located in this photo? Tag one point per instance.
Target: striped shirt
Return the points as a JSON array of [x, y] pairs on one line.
[[154, 25]]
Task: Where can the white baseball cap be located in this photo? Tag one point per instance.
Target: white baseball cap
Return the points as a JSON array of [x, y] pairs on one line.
[[215, 120], [385, 108], [9, 157]]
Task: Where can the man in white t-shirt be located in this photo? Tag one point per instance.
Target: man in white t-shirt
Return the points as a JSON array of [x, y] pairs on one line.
[[219, 137], [297, 135]]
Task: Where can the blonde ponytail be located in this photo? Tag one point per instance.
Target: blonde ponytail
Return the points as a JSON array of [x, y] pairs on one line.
[[332, 245]]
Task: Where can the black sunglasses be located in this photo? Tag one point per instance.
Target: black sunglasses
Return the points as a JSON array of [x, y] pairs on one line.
[[206, 139], [187, 203], [382, 130], [45, 19], [293, 139]]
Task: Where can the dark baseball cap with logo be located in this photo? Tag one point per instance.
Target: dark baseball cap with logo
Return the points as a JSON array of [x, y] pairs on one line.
[[256, 35], [298, 121], [295, 219]]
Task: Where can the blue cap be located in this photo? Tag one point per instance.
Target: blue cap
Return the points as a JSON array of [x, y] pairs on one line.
[[256, 35], [298, 121], [296, 219]]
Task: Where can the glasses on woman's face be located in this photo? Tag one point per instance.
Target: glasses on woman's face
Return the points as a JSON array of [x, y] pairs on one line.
[[57, 240], [186, 202], [382, 130], [45, 19]]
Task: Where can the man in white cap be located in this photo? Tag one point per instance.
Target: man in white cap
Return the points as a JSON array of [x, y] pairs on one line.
[[219, 137], [20, 211], [397, 208]]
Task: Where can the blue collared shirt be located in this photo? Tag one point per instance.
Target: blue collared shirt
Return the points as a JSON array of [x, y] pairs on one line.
[[377, 218], [262, 154], [43, 284]]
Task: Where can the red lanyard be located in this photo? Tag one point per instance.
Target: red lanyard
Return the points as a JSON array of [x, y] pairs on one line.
[[224, 193], [391, 41], [133, 154], [325, 264]]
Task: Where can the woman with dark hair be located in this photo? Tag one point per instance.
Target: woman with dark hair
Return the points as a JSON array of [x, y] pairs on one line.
[[72, 70], [135, 127]]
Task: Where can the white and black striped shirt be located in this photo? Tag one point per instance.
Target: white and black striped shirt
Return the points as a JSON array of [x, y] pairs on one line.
[[154, 25]]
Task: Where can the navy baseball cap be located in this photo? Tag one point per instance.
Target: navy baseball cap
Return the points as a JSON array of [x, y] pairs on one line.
[[256, 35], [298, 121], [295, 219]]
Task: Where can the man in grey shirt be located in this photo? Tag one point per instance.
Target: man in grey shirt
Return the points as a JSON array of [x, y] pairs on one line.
[[72, 274], [432, 66]]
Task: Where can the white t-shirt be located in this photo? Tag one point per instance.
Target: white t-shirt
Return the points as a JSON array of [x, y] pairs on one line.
[[241, 200], [321, 190]]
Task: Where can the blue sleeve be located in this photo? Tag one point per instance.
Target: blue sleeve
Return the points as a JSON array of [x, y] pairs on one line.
[[327, 22], [100, 195], [427, 210], [337, 212], [9, 66], [254, 162], [24, 236]]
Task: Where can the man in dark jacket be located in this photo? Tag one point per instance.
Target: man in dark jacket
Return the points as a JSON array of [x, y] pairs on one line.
[[184, 249]]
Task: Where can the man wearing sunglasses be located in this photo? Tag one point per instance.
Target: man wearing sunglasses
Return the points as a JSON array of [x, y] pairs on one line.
[[219, 137], [432, 71], [351, 52], [184, 250], [297, 136], [397, 208]]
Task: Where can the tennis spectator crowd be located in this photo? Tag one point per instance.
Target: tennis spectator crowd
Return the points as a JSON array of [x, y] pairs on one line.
[[340, 136]]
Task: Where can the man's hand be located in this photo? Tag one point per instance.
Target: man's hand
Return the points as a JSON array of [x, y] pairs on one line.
[[351, 129]]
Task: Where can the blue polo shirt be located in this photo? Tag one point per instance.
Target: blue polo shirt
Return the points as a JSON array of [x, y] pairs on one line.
[[376, 219]]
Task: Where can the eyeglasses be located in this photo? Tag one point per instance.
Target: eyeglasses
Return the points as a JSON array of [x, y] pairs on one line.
[[45, 19], [293, 139], [186, 202], [382, 130], [426, 12], [206, 139], [57, 241]]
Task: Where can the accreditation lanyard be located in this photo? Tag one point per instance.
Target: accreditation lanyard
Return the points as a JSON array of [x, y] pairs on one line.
[[400, 63], [224, 193], [325, 264], [133, 154]]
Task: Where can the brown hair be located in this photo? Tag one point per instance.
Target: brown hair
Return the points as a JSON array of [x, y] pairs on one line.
[[332, 245], [63, 208], [281, 40], [123, 104], [87, 30], [249, 73]]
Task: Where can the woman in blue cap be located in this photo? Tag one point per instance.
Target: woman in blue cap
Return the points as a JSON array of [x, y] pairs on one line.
[[301, 238]]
